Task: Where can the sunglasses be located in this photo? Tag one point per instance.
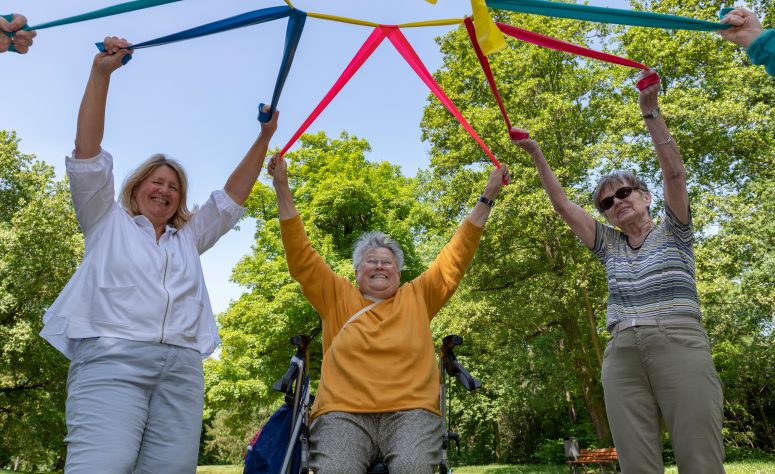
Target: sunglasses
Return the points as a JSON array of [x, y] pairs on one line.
[[620, 194]]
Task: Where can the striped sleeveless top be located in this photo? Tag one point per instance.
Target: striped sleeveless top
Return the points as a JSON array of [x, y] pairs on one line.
[[656, 279]]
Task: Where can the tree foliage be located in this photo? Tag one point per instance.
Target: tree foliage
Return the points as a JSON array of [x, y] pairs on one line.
[[40, 246]]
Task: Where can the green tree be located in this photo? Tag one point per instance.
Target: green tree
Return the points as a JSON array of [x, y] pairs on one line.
[[339, 195], [40, 246]]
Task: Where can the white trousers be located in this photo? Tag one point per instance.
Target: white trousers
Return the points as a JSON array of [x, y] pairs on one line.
[[133, 407]]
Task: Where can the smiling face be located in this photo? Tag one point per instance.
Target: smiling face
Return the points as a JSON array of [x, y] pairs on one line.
[[634, 208], [158, 196], [377, 273]]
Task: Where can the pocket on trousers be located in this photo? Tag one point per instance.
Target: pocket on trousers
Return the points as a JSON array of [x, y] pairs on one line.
[[86, 350], [609, 347], [691, 337]]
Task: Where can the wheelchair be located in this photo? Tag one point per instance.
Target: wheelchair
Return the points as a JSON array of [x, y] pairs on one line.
[[293, 417]]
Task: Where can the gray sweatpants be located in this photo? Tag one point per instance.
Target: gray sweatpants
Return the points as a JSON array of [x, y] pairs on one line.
[[133, 406], [655, 373], [346, 443]]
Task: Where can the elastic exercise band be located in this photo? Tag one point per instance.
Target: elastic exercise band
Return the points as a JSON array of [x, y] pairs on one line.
[[292, 36], [368, 47], [605, 15], [393, 33], [559, 45], [103, 12], [410, 56], [415, 24], [515, 135], [239, 21], [342, 19], [108, 11], [551, 43], [293, 32], [490, 39]]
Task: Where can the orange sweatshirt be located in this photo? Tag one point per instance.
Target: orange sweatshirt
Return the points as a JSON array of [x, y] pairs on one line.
[[384, 360]]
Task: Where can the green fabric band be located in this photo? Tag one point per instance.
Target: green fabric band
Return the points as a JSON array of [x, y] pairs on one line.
[[605, 15]]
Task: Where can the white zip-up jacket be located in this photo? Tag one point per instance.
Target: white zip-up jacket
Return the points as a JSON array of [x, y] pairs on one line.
[[128, 285]]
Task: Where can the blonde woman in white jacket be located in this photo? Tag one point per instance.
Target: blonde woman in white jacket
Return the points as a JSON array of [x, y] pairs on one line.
[[135, 319]]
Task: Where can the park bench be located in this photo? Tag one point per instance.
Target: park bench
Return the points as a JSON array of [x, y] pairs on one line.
[[605, 458]]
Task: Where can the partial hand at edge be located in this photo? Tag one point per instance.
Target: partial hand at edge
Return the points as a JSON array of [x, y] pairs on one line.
[[745, 27]]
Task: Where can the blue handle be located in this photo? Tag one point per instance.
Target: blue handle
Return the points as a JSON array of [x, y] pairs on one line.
[[124, 60], [264, 117]]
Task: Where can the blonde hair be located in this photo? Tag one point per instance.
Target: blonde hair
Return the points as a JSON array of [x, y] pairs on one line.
[[146, 169]]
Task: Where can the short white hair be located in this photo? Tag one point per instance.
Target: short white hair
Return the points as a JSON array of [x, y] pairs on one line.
[[375, 240]]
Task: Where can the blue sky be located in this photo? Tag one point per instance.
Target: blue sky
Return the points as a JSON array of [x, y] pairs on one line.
[[197, 100]]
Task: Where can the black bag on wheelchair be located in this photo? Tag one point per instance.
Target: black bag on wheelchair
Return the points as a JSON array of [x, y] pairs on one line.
[[267, 448]]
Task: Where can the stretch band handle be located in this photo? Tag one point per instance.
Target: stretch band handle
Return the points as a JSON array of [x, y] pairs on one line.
[[647, 81], [124, 60], [264, 116], [485, 63], [9, 18]]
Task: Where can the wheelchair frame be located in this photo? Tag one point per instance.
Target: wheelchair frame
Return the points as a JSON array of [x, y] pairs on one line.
[[296, 386]]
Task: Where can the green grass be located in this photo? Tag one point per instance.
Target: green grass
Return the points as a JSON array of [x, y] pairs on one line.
[[752, 467]]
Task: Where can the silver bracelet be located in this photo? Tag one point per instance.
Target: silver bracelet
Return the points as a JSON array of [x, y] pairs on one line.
[[669, 139]]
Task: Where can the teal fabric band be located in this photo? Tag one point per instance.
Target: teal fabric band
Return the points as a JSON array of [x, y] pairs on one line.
[[605, 15], [103, 12]]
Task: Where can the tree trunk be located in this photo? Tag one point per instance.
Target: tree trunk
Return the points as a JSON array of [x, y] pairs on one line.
[[588, 376]]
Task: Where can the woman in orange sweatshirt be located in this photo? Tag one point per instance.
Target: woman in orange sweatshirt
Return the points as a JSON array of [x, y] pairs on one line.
[[379, 381]]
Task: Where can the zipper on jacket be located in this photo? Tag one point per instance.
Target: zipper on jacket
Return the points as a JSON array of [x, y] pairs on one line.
[[164, 285]]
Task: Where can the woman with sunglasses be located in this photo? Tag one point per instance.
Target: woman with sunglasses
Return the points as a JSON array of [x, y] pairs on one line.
[[657, 365]]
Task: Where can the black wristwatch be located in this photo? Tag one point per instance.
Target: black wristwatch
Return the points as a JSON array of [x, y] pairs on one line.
[[489, 202], [655, 112]]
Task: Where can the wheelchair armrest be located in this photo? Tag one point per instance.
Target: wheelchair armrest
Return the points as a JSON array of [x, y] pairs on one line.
[[285, 383], [465, 378], [452, 366]]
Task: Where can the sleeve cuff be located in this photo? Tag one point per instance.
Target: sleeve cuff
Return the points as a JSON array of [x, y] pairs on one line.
[[471, 229], [88, 164], [760, 48], [227, 205], [290, 221]]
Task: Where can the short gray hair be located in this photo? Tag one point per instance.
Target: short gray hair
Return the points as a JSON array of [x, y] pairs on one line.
[[614, 178], [374, 240]]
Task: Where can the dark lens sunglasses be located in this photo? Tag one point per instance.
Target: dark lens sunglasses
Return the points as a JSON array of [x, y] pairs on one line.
[[620, 194]]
